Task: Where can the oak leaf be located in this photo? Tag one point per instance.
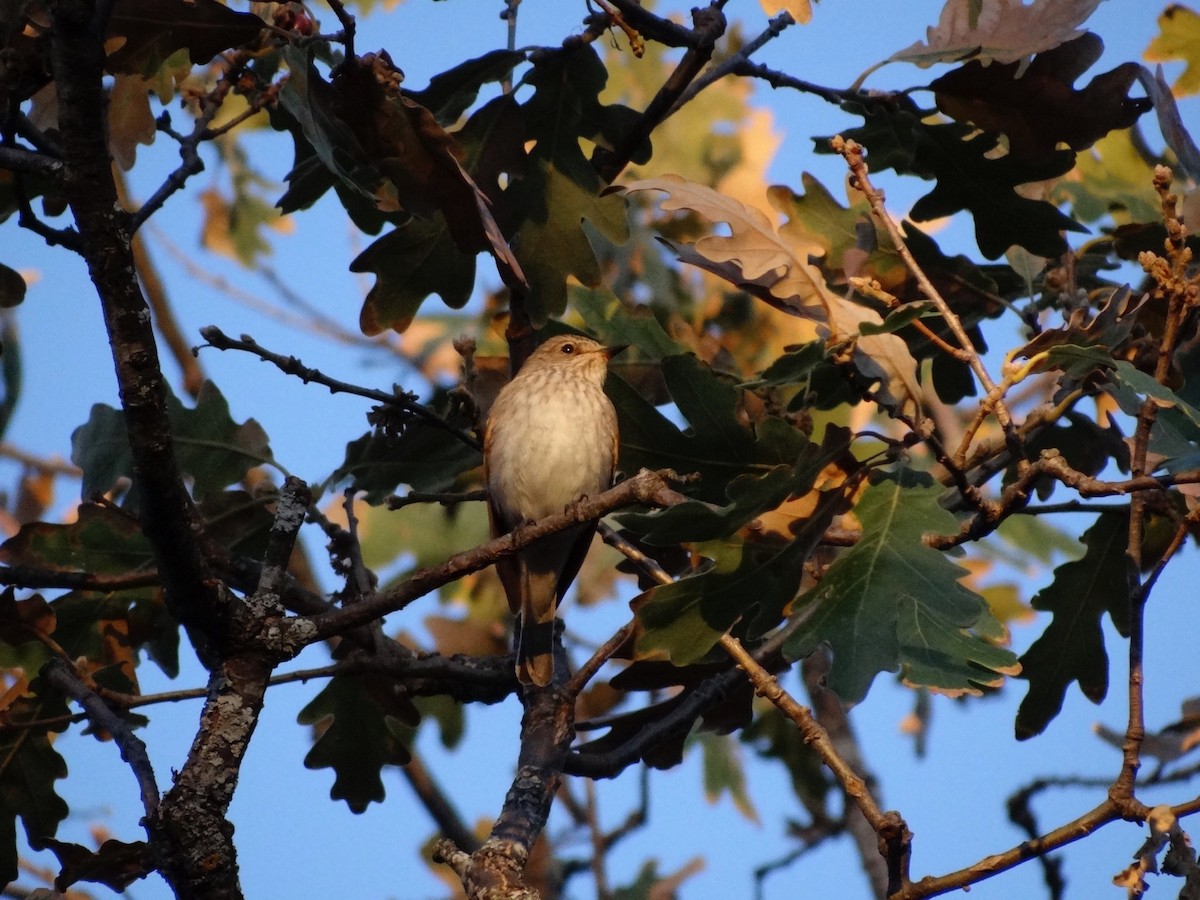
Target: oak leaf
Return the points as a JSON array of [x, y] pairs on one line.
[[1004, 31], [1039, 109], [773, 264], [1179, 39]]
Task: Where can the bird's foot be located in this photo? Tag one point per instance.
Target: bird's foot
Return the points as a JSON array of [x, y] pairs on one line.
[[573, 508]]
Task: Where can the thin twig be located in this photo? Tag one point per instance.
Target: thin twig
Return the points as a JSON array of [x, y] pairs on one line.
[[349, 27], [716, 72], [890, 826], [647, 487], [292, 366], [852, 152], [133, 751]]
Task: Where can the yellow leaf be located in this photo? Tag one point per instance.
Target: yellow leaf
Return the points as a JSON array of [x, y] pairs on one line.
[[1180, 39], [800, 10]]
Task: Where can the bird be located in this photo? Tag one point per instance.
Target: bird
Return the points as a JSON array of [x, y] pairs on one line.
[[551, 438]]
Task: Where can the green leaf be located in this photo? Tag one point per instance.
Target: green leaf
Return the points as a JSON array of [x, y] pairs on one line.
[[724, 773], [616, 323], [853, 245], [1114, 180], [749, 497], [425, 457], [891, 603], [450, 93], [411, 262], [560, 190], [428, 533], [897, 136], [716, 444], [1071, 649], [551, 243], [796, 366], [211, 448], [748, 581], [11, 370], [149, 31], [1176, 430], [311, 102], [29, 766], [776, 737], [101, 541], [355, 738]]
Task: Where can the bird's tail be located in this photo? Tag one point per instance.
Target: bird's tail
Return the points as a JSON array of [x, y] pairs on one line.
[[535, 646]]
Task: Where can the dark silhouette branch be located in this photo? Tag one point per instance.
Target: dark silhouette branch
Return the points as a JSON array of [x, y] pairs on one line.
[[709, 25], [292, 634], [104, 719], [167, 516], [290, 365]]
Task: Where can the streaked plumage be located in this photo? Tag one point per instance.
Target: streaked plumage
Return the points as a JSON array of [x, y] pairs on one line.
[[551, 437]]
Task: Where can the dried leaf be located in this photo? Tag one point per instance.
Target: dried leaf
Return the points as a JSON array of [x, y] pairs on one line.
[[773, 264], [800, 10], [1004, 31], [130, 121]]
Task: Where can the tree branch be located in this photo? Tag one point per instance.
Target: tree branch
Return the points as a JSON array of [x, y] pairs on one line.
[[290, 365], [133, 751], [165, 510], [709, 24], [290, 635]]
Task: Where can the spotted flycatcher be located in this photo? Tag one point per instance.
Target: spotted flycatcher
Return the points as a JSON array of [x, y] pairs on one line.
[[551, 438]]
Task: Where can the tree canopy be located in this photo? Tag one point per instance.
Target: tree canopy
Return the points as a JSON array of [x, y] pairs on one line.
[[949, 442]]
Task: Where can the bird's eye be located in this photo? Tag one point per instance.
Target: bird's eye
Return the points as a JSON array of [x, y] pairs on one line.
[[568, 349]]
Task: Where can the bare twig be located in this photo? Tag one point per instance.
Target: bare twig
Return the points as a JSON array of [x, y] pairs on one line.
[[709, 25], [133, 751], [727, 66], [290, 365], [852, 153], [290, 635]]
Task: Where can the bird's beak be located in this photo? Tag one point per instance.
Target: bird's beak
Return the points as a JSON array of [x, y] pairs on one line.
[[610, 352]]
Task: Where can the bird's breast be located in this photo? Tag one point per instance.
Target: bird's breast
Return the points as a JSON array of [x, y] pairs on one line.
[[545, 454]]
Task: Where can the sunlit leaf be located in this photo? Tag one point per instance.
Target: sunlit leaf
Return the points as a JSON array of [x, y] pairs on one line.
[[1005, 31], [890, 603], [1179, 39], [773, 265]]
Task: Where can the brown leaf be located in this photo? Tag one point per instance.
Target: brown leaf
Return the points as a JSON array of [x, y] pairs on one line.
[[1039, 109], [1004, 31], [116, 864], [22, 621], [773, 265], [421, 159], [130, 121], [466, 636]]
